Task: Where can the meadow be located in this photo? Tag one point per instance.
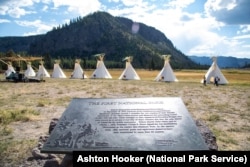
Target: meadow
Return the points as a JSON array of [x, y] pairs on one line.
[[27, 108]]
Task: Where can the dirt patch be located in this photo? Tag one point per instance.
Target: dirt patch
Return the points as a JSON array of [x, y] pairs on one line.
[[38, 127]]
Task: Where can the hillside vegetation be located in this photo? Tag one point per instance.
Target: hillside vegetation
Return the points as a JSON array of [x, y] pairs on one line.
[[100, 32]]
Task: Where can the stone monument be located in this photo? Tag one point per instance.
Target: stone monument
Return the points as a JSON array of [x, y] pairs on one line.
[[129, 124]]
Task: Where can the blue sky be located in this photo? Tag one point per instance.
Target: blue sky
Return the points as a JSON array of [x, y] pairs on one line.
[[196, 27]]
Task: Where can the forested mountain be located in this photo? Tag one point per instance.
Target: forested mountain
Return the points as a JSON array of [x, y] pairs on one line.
[[100, 32]]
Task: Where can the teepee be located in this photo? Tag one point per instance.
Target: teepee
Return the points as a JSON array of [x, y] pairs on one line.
[[78, 71], [214, 71], [100, 71], [29, 71], [57, 71], [166, 74], [42, 72], [9, 70], [129, 73]]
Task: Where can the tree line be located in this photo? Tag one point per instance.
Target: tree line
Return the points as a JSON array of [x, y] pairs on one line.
[[48, 61], [86, 62]]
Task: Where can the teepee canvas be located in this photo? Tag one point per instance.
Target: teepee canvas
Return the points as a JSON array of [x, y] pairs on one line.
[[57, 71], [214, 71], [78, 71], [9, 70], [42, 72], [29, 72], [100, 71], [129, 73], [166, 74]]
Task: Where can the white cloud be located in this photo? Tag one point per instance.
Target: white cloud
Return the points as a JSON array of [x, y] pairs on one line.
[[79, 7], [22, 3], [18, 3], [216, 45], [45, 8], [4, 21], [229, 11], [180, 3], [114, 1], [132, 2], [3, 10], [46, 1], [244, 29], [215, 5], [15, 8], [242, 37], [17, 12], [37, 24]]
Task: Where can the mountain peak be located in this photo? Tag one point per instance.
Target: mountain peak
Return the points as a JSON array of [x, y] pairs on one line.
[[101, 32]]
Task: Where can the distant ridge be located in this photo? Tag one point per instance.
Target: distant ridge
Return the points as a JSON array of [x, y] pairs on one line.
[[223, 62]]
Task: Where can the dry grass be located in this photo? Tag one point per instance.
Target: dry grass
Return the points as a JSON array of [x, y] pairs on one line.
[[225, 109]]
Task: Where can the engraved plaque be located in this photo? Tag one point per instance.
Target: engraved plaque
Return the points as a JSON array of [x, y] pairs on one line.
[[128, 124]]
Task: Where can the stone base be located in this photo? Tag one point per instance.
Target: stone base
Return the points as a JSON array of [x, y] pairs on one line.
[[49, 160]]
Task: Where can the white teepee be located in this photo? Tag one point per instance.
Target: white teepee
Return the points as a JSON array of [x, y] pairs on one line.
[[129, 72], [100, 71], [78, 71], [57, 71], [29, 72], [214, 71], [42, 72], [9, 70], [166, 74]]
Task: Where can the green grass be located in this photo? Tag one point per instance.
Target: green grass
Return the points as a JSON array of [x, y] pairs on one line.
[[12, 151], [40, 104], [224, 139], [5, 130], [13, 115], [228, 140], [244, 129]]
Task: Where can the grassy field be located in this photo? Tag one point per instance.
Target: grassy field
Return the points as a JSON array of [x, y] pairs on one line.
[[27, 108]]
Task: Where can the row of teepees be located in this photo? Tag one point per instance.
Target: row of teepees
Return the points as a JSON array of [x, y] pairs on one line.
[[29, 72], [129, 73]]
